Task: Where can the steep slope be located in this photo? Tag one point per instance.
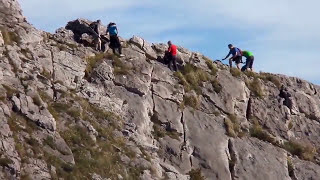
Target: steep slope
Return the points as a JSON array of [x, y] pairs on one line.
[[70, 112]]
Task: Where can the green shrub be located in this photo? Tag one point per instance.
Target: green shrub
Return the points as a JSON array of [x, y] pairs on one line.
[[256, 88], [251, 74], [192, 101], [302, 150], [195, 174], [235, 72]]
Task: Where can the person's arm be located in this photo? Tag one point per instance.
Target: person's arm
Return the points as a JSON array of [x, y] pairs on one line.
[[117, 30], [227, 55]]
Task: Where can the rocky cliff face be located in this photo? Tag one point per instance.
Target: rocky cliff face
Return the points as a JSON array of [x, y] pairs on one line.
[[70, 112]]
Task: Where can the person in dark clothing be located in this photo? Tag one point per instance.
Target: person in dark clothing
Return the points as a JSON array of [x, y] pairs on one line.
[[112, 30], [96, 26], [249, 60], [172, 53], [236, 56]]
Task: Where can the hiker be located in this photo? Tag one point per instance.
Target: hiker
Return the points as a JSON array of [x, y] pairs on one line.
[[236, 56], [172, 56], [112, 30], [96, 26], [249, 60]]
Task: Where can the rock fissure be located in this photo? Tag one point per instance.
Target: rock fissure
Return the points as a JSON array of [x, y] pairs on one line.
[[248, 111], [130, 89], [210, 100], [232, 159]]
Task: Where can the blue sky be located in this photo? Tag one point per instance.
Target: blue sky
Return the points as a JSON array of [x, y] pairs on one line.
[[283, 35]]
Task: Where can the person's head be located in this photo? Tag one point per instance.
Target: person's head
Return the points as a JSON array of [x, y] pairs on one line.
[[99, 21], [230, 46], [169, 43]]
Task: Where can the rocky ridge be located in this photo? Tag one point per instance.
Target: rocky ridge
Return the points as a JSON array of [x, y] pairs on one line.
[[70, 112]]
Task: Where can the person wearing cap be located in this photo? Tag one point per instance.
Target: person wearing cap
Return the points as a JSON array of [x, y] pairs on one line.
[[236, 56]]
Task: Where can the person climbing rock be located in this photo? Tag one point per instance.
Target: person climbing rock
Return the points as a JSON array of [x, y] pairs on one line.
[[249, 60], [236, 56], [96, 26], [172, 56], [112, 30]]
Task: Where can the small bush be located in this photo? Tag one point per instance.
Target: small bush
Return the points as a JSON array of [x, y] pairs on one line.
[[272, 78], [257, 132], [212, 67], [235, 72], [251, 74], [256, 88], [302, 150], [192, 101], [233, 126], [92, 62], [192, 77], [195, 174]]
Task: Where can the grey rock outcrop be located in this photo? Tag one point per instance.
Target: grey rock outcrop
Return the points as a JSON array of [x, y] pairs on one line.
[[67, 110]]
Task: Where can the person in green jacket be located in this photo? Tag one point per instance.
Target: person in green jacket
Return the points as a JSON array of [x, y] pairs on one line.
[[249, 60]]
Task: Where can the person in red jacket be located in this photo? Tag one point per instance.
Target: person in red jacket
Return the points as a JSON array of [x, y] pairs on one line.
[[173, 56]]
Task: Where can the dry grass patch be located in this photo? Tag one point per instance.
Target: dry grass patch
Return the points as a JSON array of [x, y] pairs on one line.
[[272, 78], [195, 174], [301, 149], [235, 72], [255, 88], [9, 37], [258, 132], [233, 126], [192, 101]]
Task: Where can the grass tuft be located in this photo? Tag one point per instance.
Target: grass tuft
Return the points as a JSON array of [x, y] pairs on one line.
[[304, 151], [195, 174], [192, 101], [9, 37], [258, 132], [255, 88], [235, 72]]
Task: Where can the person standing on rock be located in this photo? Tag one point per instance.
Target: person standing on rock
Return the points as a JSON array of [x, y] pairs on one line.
[[236, 56], [96, 26], [249, 60], [172, 50], [112, 30]]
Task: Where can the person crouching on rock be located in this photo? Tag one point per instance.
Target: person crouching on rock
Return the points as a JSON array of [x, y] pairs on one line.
[[112, 30], [249, 60], [236, 56], [172, 56]]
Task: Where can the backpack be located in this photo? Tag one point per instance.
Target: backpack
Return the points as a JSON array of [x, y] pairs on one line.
[[240, 51]]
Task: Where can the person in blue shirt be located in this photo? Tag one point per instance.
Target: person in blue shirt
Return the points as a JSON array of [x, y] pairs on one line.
[[112, 30], [236, 56]]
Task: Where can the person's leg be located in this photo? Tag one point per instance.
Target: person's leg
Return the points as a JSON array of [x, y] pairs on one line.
[[245, 67], [170, 57], [118, 45], [230, 63], [238, 61], [174, 60], [251, 62]]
